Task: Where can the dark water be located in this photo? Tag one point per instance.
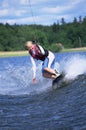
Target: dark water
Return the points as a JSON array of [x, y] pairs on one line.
[[24, 106]]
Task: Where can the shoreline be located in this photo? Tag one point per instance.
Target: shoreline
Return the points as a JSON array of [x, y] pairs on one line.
[[74, 49], [25, 53], [13, 53]]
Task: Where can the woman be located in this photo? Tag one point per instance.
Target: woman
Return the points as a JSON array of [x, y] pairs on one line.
[[39, 53]]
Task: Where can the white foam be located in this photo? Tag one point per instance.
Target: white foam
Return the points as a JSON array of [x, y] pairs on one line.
[[74, 66], [18, 80]]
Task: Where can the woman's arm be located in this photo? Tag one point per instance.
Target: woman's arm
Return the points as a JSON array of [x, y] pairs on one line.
[[34, 69]]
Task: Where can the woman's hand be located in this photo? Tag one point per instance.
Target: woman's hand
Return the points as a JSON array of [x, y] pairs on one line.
[[34, 80]]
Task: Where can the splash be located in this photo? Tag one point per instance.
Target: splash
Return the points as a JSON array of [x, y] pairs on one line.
[[33, 67], [74, 66], [18, 80]]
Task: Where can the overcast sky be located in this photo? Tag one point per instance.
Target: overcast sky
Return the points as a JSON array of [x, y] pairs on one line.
[[44, 12]]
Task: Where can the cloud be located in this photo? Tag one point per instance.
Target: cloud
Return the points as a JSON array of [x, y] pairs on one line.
[[12, 13], [61, 8], [55, 10], [4, 12], [37, 2], [20, 12], [24, 2], [40, 11], [4, 4], [36, 19], [18, 20]]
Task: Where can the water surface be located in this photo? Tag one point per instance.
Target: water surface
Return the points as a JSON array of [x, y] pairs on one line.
[[25, 106]]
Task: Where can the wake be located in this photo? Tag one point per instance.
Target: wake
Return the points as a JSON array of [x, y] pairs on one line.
[[74, 66]]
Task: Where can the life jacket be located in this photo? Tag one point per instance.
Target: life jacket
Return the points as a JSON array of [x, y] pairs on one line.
[[37, 54]]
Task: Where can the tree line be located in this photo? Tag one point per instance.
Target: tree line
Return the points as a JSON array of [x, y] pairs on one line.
[[69, 35]]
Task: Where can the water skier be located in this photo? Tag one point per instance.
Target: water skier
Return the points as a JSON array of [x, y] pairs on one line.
[[39, 53]]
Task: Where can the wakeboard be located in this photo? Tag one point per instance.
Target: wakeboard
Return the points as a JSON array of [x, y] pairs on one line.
[[58, 81]]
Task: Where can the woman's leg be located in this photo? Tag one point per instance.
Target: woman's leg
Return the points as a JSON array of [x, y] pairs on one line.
[[49, 75], [48, 67]]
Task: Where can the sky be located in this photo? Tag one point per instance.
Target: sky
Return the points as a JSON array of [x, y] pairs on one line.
[[44, 12]]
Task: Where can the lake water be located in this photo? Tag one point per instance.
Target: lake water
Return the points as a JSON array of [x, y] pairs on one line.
[[25, 106]]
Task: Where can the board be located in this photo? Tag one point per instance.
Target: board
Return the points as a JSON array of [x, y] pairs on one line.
[[57, 82]]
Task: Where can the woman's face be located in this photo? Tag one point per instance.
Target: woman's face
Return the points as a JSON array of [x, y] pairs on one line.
[[29, 46]]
